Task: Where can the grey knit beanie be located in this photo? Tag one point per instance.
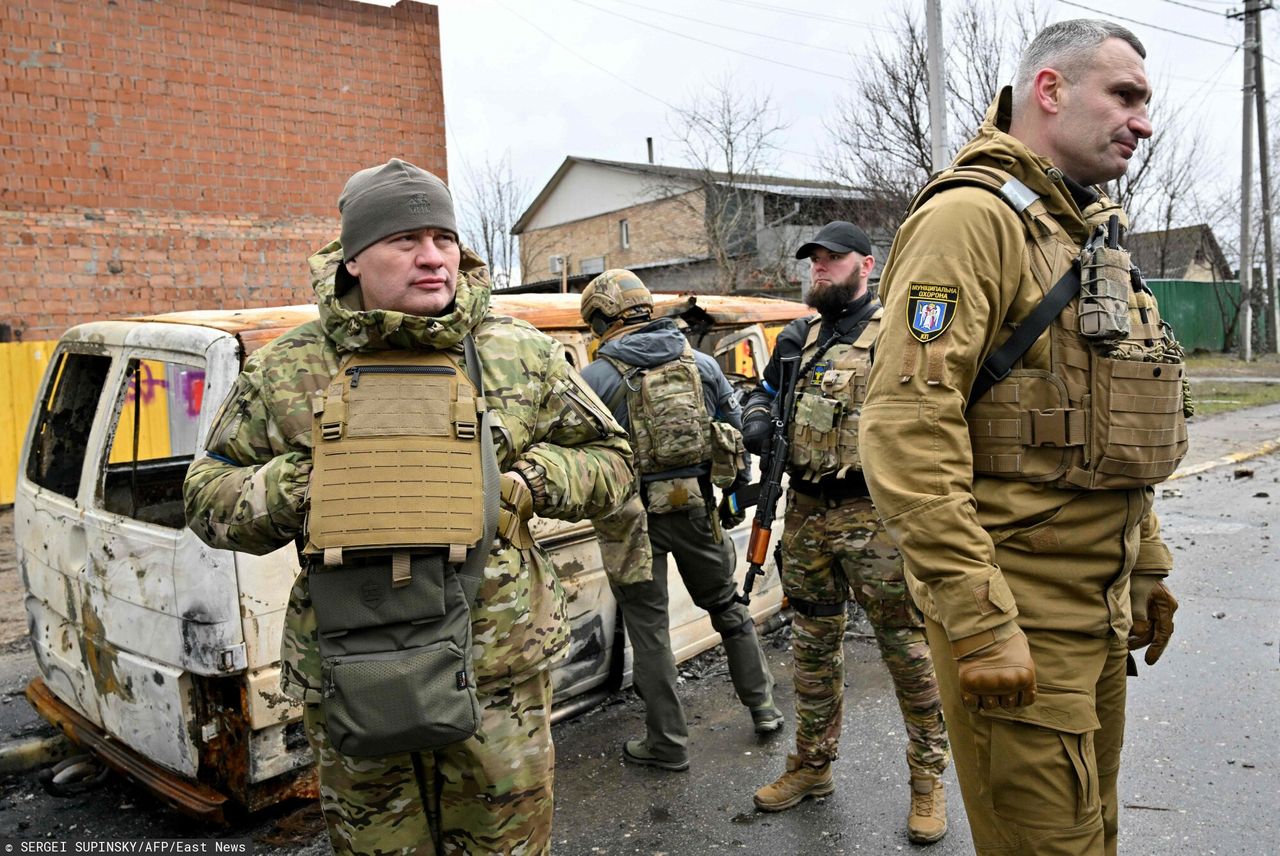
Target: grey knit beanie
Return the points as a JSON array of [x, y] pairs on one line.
[[391, 198]]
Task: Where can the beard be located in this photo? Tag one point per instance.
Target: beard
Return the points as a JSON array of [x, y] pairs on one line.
[[830, 299]]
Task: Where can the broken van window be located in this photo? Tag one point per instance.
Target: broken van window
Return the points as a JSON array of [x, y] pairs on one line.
[[153, 441], [61, 436]]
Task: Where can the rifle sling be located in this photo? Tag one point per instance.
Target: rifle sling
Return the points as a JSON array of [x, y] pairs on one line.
[[997, 366]]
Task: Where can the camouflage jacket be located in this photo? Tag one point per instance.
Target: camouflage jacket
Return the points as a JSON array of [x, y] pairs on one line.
[[249, 492]]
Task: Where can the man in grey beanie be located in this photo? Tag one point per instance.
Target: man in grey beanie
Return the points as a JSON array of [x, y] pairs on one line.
[[345, 425], [385, 211]]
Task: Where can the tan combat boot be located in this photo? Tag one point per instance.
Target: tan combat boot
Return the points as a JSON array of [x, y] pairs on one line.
[[798, 782], [927, 821]]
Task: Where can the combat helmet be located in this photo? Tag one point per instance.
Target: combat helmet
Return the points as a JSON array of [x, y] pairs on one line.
[[612, 299]]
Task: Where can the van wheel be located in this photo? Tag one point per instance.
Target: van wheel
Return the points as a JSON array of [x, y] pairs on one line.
[[76, 775]]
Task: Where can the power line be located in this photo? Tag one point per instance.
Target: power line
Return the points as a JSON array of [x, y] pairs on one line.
[[594, 65], [713, 44], [807, 156], [770, 36], [1197, 8], [1150, 26], [817, 16]]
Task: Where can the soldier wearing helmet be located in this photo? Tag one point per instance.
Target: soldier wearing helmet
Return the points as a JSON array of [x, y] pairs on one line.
[[684, 423], [612, 301]]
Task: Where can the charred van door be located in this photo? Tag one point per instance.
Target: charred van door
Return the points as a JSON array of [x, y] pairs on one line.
[[49, 531], [742, 355], [152, 631]]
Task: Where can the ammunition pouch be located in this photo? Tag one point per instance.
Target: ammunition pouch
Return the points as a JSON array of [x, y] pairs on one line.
[[1103, 312], [728, 454], [404, 508], [824, 438], [1139, 436]]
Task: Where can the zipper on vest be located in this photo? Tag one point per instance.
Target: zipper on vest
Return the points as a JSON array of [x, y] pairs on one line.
[[356, 371]]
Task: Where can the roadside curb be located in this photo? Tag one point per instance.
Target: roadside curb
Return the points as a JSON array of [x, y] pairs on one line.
[[1234, 458], [21, 756]]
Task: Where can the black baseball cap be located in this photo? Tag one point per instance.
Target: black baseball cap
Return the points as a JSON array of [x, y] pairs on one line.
[[838, 236]]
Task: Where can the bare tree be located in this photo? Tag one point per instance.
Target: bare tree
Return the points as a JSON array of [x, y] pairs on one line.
[[1165, 173], [728, 139], [880, 134], [491, 200]]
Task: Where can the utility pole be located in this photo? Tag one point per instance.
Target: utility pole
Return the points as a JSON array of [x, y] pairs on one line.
[[937, 83], [1272, 315], [1244, 318]]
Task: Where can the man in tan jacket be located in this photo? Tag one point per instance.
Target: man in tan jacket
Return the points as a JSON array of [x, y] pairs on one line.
[[1020, 491]]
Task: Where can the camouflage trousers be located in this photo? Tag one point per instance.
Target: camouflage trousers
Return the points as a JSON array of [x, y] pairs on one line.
[[832, 550], [490, 793]]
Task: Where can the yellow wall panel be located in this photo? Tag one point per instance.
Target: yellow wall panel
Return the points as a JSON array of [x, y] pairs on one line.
[[153, 434], [22, 365]]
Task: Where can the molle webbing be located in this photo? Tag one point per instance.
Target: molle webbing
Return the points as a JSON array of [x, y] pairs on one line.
[[1074, 396], [667, 414], [824, 429], [398, 456]]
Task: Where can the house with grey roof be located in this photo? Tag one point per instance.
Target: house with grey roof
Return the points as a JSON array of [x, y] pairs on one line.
[[680, 229], [1188, 253]]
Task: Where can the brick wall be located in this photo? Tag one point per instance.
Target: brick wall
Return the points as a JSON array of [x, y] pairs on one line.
[[189, 153], [660, 231]]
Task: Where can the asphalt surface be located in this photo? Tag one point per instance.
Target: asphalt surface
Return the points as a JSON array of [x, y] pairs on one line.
[[1202, 759]]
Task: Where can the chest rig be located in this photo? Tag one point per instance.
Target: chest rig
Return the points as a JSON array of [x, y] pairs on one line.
[[1098, 402], [403, 510], [829, 397]]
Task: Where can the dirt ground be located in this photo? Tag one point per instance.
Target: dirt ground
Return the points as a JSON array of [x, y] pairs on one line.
[[13, 617]]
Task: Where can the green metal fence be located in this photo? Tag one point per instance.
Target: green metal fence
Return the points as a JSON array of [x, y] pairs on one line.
[[1200, 312]]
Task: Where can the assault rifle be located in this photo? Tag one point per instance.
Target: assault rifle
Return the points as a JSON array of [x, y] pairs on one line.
[[771, 474]]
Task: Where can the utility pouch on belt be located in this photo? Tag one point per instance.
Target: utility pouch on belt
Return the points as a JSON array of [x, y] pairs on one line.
[[404, 508]]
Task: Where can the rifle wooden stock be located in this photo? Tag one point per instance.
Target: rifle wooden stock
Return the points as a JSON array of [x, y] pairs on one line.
[[758, 545]]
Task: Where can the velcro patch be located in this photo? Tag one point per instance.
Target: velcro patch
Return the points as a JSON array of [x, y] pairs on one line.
[[930, 309]]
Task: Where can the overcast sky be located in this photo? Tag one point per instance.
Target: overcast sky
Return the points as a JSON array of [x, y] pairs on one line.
[[593, 78]]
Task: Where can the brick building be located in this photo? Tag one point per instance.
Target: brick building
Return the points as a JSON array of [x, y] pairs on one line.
[[657, 220], [188, 155]]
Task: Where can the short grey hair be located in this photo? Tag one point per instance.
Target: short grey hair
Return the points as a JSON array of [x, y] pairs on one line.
[[1068, 47]]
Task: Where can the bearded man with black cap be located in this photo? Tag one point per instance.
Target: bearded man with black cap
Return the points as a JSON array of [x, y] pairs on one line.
[[834, 547], [402, 441]]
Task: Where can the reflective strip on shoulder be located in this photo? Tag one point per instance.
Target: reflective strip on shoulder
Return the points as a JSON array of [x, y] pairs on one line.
[[1018, 194]]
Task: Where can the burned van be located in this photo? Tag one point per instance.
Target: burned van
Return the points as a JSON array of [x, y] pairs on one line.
[[161, 654]]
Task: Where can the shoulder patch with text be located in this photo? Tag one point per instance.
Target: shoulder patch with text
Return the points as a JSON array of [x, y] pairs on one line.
[[930, 309]]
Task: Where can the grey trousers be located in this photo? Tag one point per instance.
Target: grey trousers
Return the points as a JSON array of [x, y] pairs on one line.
[[707, 571]]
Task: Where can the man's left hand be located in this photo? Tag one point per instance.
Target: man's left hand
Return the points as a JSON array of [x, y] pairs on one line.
[[729, 517], [1153, 608]]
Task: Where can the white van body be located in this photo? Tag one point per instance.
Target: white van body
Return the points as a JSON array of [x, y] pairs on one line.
[[160, 653]]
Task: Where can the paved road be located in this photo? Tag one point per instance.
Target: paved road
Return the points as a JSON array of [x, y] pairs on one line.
[[1202, 770]]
